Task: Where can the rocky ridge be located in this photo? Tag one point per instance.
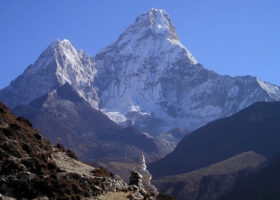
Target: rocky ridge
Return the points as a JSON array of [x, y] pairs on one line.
[[30, 167]]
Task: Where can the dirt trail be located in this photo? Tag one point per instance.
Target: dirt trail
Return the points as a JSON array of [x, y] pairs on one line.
[[71, 165]]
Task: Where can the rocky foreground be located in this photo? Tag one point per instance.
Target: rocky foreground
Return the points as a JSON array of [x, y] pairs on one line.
[[32, 168]]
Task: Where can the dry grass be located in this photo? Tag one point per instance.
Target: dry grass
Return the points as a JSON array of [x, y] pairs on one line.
[[68, 164], [114, 196], [32, 166], [123, 169]]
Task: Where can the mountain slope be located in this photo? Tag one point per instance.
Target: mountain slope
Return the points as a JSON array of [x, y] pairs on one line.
[[59, 64], [211, 182], [31, 167], [64, 117], [255, 128], [262, 185]]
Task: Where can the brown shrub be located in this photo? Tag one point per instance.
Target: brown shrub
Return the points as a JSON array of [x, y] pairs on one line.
[[35, 165], [9, 167], [24, 120], [2, 111], [76, 188], [11, 149], [26, 147], [9, 133], [71, 154], [43, 156], [14, 126], [60, 147], [3, 155], [102, 172], [52, 166], [37, 136]]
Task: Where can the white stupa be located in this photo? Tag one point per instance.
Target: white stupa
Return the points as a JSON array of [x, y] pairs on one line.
[[147, 177]]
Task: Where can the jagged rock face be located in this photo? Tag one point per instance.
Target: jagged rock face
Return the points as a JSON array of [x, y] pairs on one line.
[[133, 74], [147, 79], [60, 63]]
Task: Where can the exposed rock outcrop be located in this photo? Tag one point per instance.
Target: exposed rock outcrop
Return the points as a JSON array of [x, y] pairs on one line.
[[32, 168]]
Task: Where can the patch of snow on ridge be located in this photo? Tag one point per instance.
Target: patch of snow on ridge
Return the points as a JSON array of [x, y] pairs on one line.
[[159, 20], [271, 89], [188, 53], [116, 116]]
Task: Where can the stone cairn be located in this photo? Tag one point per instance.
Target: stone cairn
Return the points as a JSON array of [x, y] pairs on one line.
[[141, 178]]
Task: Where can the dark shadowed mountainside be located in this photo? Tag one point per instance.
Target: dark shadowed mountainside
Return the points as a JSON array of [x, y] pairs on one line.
[[262, 185], [64, 117], [255, 128], [210, 182]]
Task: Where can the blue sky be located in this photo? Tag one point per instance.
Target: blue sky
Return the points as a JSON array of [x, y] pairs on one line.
[[235, 37]]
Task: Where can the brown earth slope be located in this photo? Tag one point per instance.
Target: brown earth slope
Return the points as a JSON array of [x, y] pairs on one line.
[[31, 167]]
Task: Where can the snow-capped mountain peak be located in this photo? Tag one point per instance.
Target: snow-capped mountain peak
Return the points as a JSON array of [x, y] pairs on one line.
[[152, 34], [59, 64], [146, 79], [56, 49], [60, 44], [157, 21], [272, 90]]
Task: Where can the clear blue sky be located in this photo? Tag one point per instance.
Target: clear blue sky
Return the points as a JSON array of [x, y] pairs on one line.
[[235, 37]]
